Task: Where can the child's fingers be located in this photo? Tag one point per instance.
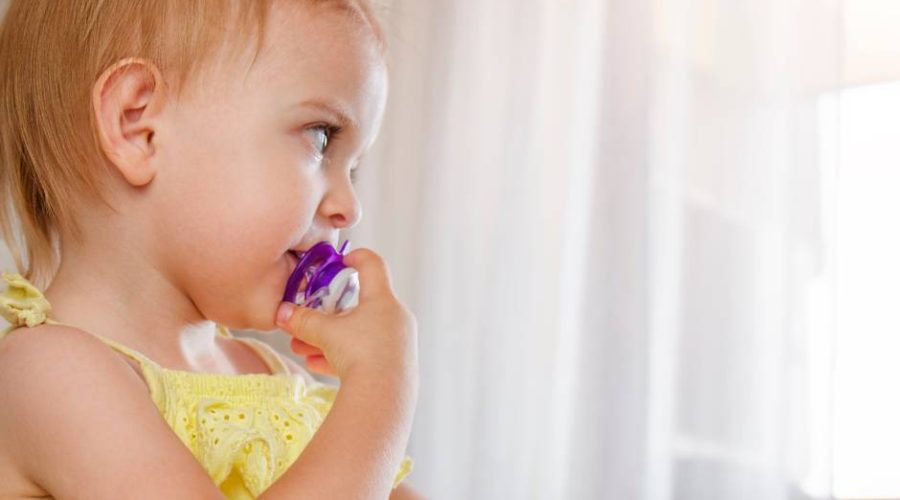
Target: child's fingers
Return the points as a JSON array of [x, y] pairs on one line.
[[301, 322], [302, 348], [315, 360], [319, 364]]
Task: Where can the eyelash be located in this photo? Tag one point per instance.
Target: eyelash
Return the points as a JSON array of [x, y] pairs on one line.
[[331, 133]]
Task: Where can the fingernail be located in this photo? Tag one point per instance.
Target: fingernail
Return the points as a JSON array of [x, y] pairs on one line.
[[285, 310]]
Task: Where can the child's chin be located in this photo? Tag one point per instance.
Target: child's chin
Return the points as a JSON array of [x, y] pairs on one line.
[[269, 326]]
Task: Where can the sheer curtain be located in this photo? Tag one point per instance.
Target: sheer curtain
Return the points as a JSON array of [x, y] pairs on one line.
[[606, 216]]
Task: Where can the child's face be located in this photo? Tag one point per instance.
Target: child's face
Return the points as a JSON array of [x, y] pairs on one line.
[[240, 182]]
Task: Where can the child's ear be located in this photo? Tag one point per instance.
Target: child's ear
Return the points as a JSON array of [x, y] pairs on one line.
[[127, 99]]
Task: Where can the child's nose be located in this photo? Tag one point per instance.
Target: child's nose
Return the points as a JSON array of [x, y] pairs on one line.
[[348, 220], [342, 207]]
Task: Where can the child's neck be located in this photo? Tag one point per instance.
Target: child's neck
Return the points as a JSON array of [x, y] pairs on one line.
[[134, 303]]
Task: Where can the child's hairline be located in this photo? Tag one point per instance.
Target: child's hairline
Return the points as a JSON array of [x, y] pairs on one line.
[[235, 48]]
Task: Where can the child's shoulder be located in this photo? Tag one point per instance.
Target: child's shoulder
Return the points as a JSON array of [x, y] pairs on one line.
[[54, 380], [63, 389], [52, 349], [45, 365]]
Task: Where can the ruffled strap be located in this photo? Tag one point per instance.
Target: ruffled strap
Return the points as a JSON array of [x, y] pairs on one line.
[[22, 304]]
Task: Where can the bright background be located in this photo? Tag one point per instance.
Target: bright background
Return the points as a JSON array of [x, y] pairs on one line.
[[651, 245]]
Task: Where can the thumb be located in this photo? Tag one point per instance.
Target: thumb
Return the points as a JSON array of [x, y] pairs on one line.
[[303, 323]]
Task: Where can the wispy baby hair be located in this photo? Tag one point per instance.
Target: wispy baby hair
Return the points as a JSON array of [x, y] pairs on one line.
[[52, 52]]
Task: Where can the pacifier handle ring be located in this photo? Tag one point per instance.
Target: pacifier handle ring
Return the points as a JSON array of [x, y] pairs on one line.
[[293, 284], [329, 256]]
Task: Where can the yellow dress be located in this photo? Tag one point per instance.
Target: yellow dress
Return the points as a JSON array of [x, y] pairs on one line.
[[245, 430]]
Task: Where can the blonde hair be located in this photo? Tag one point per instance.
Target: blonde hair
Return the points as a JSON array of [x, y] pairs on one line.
[[51, 53]]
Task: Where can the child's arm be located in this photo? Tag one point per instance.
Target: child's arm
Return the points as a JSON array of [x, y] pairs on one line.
[[403, 491], [78, 422], [373, 350], [363, 437]]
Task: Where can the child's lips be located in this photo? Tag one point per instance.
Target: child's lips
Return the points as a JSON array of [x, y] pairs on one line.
[[293, 259]]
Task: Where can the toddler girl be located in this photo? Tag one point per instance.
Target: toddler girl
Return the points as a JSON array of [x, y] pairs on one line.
[[161, 161]]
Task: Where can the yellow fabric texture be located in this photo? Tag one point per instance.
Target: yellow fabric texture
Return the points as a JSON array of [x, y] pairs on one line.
[[245, 430]]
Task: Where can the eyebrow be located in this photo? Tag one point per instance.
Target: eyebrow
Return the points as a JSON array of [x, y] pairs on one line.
[[334, 108]]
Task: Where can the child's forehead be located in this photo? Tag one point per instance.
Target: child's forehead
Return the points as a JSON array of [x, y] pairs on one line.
[[310, 57], [312, 61], [316, 47], [298, 25]]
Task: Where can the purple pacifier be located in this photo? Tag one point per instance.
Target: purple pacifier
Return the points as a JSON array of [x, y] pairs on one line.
[[331, 286]]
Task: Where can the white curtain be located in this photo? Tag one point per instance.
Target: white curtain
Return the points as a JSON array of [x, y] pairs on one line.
[[606, 216]]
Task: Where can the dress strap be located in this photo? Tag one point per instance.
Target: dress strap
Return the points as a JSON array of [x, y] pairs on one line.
[[275, 363], [22, 304]]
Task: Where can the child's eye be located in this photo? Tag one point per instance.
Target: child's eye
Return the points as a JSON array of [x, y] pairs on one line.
[[322, 135]]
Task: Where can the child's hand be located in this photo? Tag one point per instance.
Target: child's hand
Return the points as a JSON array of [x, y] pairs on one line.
[[378, 337], [315, 360]]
